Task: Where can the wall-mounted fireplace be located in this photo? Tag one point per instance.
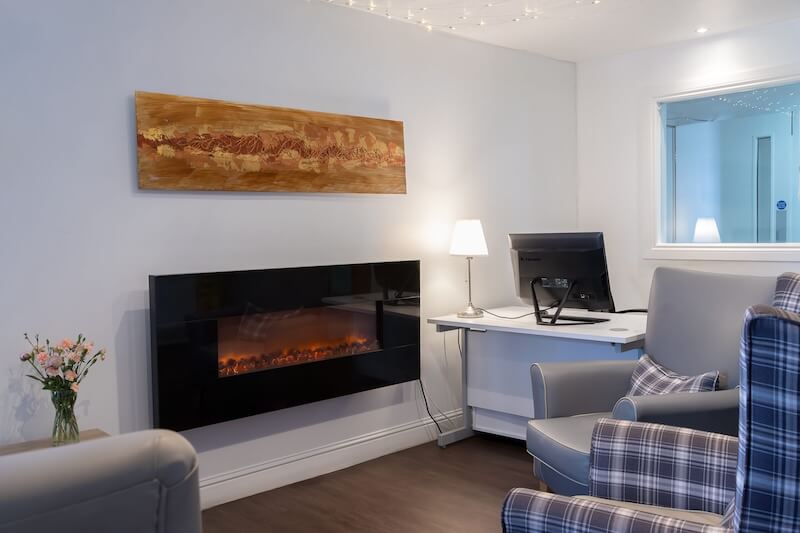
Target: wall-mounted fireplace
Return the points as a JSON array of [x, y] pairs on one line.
[[231, 344]]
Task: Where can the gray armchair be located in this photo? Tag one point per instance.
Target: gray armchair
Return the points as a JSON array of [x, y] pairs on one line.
[[660, 479], [134, 483], [693, 326]]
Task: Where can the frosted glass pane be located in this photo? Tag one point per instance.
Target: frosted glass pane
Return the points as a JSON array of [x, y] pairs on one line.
[[732, 165]]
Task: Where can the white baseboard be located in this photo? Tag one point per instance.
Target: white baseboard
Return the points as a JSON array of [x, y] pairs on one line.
[[249, 480]]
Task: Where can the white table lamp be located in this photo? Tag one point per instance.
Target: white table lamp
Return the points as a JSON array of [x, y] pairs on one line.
[[468, 241], [706, 230]]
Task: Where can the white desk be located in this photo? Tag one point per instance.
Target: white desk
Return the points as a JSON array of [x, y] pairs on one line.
[[498, 354]]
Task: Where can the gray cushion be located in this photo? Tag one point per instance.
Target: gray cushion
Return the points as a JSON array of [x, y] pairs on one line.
[[651, 378], [695, 320], [563, 443]]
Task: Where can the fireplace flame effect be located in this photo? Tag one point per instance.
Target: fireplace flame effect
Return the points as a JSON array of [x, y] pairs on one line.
[[233, 364]]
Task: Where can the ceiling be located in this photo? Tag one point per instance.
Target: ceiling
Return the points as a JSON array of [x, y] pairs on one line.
[[780, 99], [576, 30]]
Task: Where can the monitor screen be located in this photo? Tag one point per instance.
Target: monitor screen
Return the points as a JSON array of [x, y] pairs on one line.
[[558, 260]]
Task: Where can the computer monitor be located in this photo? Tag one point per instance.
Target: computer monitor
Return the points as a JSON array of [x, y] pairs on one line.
[[569, 269]]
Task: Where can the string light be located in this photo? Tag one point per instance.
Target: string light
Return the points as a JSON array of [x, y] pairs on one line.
[[469, 15]]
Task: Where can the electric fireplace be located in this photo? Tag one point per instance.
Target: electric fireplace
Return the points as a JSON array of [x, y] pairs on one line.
[[227, 345]]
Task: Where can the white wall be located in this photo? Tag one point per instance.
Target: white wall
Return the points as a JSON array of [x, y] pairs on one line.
[[490, 133], [697, 176], [613, 136]]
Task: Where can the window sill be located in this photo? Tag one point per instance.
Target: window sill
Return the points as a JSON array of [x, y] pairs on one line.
[[725, 252]]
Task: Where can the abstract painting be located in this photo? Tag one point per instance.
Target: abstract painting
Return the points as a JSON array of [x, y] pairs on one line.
[[197, 144]]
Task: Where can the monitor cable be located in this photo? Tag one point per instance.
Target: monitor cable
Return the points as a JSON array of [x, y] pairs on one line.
[[513, 317]]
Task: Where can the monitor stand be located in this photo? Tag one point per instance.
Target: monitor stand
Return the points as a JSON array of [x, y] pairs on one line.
[[570, 320]]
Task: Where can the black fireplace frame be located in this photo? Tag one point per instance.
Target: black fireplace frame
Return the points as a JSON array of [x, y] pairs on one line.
[[187, 391]]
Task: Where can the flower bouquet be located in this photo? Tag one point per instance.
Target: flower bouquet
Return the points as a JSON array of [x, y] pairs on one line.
[[60, 368]]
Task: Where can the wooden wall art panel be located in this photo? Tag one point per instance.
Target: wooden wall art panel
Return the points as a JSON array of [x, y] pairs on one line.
[[197, 144]]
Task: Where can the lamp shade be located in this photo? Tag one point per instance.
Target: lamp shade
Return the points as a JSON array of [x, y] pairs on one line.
[[706, 230], [468, 239]]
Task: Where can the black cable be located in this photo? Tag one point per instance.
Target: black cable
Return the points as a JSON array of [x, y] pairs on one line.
[[425, 398], [514, 317], [623, 311]]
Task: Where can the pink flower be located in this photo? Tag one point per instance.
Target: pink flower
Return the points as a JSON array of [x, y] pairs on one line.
[[74, 387], [41, 358], [74, 356], [52, 371], [67, 344], [55, 361], [70, 375]]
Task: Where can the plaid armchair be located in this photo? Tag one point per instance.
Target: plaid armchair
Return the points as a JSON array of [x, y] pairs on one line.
[[658, 479]]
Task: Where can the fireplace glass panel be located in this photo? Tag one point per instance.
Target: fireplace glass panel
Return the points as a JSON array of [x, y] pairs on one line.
[[259, 341]]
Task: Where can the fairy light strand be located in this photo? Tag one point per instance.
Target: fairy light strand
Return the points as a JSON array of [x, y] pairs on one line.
[[451, 15]]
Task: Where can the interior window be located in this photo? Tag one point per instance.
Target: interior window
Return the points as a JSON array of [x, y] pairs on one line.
[[731, 166]]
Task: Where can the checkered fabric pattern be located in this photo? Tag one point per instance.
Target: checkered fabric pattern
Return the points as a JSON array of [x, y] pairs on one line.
[[651, 378], [768, 477], [768, 470], [529, 511], [662, 465], [640, 463], [787, 292]]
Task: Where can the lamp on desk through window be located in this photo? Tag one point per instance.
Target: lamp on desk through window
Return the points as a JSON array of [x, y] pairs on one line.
[[706, 230], [468, 241]]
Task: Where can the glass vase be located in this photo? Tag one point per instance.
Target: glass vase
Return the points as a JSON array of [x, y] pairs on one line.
[[65, 426]]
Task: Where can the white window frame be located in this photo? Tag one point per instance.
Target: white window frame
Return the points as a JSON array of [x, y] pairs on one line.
[[652, 161]]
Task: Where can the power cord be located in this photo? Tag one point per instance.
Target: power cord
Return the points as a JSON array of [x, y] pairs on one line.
[[513, 317], [425, 398]]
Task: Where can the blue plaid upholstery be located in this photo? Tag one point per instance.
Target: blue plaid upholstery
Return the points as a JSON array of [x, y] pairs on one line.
[[650, 377], [645, 463], [768, 477], [529, 511], [662, 465], [787, 292]]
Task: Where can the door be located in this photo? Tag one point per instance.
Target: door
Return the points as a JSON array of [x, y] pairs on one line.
[[764, 231]]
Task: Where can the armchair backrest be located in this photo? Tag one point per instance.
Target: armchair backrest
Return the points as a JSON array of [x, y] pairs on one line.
[[694, 320], [768, 470], [142, 482]]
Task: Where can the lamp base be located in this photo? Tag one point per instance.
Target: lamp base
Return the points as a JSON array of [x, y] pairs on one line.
[[470, 312]]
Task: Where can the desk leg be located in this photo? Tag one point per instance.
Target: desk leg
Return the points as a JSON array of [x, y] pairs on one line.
[[465, 431]]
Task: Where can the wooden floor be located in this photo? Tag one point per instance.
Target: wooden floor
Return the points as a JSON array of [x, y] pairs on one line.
[[426, 489]]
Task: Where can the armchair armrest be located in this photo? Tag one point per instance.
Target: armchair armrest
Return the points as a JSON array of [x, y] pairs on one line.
[[717, 411], [661, 465], [529, 511], [143, 481], [575, 388]]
